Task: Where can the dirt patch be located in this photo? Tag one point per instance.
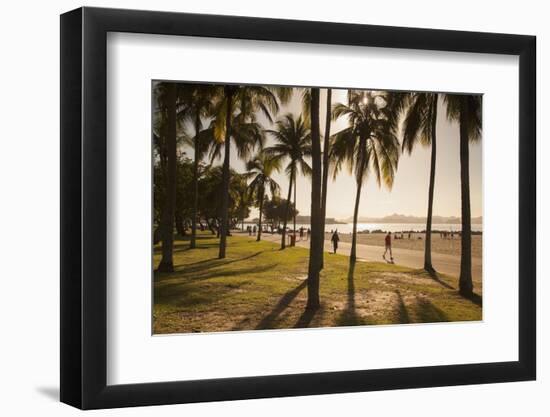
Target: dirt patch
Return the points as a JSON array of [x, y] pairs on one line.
[[378, 306], [369, 305], [208, 321], [294, 278], [336, 305], [395, 279]]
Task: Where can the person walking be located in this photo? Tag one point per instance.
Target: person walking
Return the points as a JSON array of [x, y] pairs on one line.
[[335, 239], [388, 247]]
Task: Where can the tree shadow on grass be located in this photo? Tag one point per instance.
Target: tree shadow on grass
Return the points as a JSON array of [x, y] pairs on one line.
[[189, 294], [268, 321], [476, 299], [201, 266], [187, 238], [182, 245], [402, 312], [426, 312], [349, 316], [306, 318], [181, 279], [216, 262], [435, 276]]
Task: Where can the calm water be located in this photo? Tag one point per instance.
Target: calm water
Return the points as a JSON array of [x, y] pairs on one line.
[[390, 227], [397, 227]]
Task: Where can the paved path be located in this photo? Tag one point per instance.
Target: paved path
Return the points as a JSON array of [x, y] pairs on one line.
[[444, 263]]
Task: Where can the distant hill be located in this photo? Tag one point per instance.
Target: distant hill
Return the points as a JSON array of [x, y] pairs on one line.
[[401, 218], [328, 220]]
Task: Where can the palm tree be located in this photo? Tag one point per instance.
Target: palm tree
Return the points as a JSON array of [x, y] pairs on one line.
[[466, 110], [293, 141], [167, 94], [243, 205], [260, 170], [247, 100], [201, 100], [317, 234], [326, 153], [368, 144], [247, 135], [419, 126]]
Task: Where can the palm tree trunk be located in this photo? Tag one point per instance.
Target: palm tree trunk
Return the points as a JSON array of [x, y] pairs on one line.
[[180, 226], [193, 242], [428, 246], [287, 211], [325, 168], [294, 227], [465, 281], [353, 251], [211, 225], [259, 237], [316, 248], [225, 182], [167, 260], [360, 171]]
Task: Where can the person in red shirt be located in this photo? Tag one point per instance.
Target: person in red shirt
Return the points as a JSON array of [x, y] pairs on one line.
[[388, 247]]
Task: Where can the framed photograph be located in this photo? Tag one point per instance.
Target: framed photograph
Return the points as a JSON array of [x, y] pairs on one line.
[[258, 208]]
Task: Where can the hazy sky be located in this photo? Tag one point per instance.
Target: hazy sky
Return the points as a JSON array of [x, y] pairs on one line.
[[409, 194]]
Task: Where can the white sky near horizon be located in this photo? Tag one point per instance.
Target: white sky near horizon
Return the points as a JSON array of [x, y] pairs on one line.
[[409, 194]]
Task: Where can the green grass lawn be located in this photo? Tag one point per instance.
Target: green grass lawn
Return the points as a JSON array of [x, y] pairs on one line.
[[259, 286]]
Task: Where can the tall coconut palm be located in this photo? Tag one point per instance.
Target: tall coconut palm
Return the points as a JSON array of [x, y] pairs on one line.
[[369, 144], [317, 234], [243, 205], [245, 101], [466, 110], [293, 142], [167, 94], [326, 154], [419, 127], [201, 102], [260, 170]]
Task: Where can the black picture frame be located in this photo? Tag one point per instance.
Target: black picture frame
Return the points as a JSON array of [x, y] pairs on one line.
[[84, 207]]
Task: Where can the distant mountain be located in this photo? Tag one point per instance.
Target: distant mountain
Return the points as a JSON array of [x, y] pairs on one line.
[[328, 220], [401, 218]]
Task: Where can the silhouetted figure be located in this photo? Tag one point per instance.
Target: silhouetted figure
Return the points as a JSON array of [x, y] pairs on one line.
[[335, 239], [388, 247]]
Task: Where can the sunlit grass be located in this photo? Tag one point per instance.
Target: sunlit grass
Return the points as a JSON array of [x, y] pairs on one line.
[[259, 286]]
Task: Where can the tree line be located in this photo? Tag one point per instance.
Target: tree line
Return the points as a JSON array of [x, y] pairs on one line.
[[275, 210], [381, 125]]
